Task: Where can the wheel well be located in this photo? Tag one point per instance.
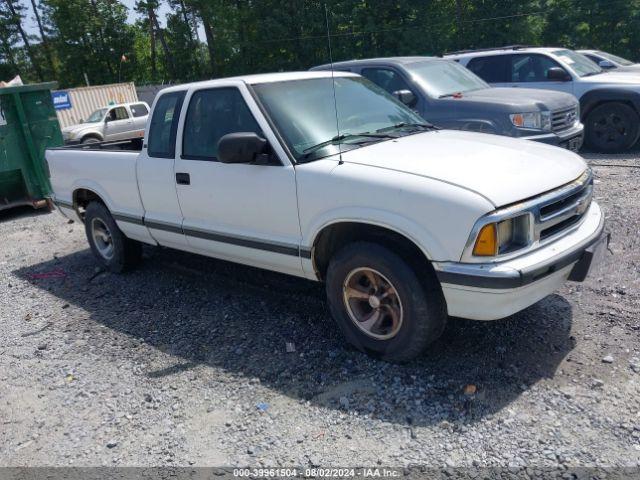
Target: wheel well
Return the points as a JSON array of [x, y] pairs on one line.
[[91, 135], [82, 198], [333, 237], [595, 105]]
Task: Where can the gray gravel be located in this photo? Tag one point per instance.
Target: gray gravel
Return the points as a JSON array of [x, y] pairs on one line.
[[192, 361]]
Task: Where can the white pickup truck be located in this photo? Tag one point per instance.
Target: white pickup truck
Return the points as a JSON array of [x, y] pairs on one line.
[[405, 223]]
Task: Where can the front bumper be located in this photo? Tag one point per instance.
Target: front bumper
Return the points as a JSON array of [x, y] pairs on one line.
[[489, 291], [570, 138]]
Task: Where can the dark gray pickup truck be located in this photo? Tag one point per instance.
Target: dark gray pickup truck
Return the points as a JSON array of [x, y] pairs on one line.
[[450, 96]]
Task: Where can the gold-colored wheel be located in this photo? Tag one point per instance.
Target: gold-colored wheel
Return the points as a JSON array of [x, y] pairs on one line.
[[373, 303]]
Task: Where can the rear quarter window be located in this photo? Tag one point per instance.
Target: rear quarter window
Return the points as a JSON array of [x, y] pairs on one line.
[[139, 110], [164, 125], [491, 69]]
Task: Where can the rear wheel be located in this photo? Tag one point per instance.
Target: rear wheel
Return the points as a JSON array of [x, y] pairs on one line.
[[110, 246], [380, 304], [612, 127]]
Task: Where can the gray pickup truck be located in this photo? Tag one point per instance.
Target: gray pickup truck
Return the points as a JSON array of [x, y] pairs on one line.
[[112, 123], [450, 96]]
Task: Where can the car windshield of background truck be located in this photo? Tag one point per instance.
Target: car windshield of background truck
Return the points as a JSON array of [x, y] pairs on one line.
[[445, 78], [615, 59], [579, 63], [96, 116], [304, 112]]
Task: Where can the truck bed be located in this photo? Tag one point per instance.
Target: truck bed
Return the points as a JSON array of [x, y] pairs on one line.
[[114, 163]]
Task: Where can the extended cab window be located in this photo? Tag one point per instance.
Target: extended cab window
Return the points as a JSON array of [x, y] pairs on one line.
[[531, 67], [164, 124], [118, 113], [213, 114], [386, 78], [490, 69], [139, 110]]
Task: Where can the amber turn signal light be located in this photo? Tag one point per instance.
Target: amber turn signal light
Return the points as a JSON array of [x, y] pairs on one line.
[[487, 241]]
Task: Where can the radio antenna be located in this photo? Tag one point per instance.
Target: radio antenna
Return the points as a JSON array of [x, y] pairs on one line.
[[333, 81]]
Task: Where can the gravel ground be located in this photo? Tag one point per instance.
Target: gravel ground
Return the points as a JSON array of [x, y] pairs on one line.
[[185, 362]]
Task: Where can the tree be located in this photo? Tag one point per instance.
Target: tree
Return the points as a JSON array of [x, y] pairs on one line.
[[16, 11], [43, 37]]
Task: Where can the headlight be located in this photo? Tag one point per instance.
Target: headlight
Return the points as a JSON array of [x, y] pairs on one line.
[[533, 120], [503, 237]]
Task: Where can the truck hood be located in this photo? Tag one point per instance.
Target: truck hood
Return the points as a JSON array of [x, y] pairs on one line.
[[615, 77], [501, 169], [517, 100], [75, 129]]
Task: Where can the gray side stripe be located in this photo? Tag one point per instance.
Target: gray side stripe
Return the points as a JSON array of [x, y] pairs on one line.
[[284, 249]]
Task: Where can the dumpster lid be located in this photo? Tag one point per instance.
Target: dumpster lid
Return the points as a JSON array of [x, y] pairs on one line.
[[31, 87]]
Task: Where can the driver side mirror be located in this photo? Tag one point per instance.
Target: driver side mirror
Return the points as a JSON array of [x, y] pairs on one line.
[[606, 64], [558, 74], [405, 96], [243, 147]]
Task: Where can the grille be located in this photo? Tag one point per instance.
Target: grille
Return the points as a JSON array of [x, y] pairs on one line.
[[565, 210], [564, 119]]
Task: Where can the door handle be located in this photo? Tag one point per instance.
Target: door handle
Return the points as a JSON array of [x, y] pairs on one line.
[[183, 179]]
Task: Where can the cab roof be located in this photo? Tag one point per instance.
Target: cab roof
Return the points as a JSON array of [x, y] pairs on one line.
[[501, 51], [259, 78], [375, 61]]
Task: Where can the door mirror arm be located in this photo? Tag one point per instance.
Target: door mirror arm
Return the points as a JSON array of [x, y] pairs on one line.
[[558, 74], [243, 147], [406, 96]]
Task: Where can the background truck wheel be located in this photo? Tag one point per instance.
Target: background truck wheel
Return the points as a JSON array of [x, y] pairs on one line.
[[380, 304], [88, 140], [612, 127], [113, 250]]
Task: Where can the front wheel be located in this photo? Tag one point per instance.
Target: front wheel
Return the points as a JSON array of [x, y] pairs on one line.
[[110, 246], [612, 127], [380, 304]]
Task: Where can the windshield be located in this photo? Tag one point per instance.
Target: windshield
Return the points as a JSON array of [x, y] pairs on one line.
[[444, 78], [615, 59], [305, 115], [96, 116], [578, 62]]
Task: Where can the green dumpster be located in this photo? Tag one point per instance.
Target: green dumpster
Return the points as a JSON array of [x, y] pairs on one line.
[[28, 126]]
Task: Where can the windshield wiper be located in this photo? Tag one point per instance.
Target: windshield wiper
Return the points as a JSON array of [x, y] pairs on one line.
[[589, 74], [398, 126], [338, 138]]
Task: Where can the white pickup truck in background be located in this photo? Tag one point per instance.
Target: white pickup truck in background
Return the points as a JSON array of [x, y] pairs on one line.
[[405, 223]]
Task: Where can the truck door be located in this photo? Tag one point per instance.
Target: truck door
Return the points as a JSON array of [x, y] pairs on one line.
[[118, 124], [155, 171], [245, 213]]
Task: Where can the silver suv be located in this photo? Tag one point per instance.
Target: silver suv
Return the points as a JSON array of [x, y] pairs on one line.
[[609, 100], [114, 122]]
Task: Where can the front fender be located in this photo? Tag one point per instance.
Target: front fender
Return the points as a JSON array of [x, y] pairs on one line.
[[595, 97], [425, 240]]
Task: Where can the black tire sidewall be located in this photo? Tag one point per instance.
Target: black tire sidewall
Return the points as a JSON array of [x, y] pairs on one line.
[[631, 119], [118, 262], [423, 313]]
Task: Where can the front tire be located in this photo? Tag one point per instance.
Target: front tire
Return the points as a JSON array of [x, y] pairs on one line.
[[611, 128], [380, 304], [111, 247], [89, 140]]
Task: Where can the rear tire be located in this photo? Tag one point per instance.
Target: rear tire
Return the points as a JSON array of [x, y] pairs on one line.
[[612, 127], [111, 247], [381, 305]]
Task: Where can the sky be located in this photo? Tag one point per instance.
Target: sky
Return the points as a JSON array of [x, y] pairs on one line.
[[32, 26]]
